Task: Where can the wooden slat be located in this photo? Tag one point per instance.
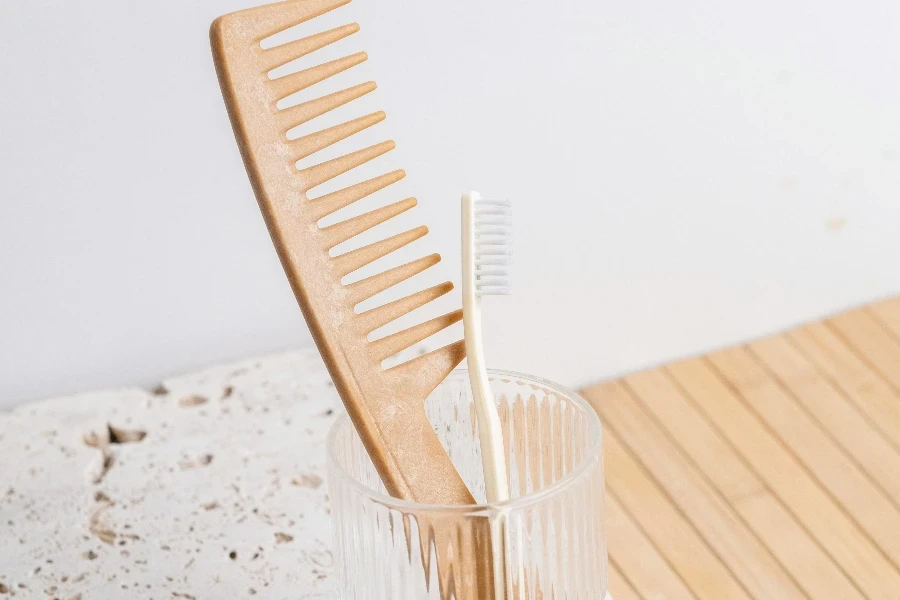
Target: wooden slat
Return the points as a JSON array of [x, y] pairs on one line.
[[663, 399], [850, 547], [872, 341], [720, 527], [770, 470], [830, 465], [859, 382], [635, 556], [667, 528], [790, 543], [619, 587], [832, 410], [888, 312]]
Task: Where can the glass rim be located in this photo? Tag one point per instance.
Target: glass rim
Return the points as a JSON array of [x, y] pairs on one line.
[[592, 454]]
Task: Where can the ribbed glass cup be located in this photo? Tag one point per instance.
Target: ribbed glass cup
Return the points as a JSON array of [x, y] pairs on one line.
[[548, 540]]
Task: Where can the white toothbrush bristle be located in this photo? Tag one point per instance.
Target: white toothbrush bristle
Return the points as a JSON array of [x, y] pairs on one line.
[[493, 247]]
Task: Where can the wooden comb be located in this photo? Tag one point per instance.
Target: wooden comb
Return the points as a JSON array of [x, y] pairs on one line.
[[386, 405]]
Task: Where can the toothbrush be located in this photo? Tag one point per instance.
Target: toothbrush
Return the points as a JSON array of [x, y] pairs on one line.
[[486, 257]]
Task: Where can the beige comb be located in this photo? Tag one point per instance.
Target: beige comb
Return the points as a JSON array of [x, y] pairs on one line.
[[386, 405]]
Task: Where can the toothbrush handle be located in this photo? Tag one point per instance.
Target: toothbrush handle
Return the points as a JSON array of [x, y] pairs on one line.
[[490, 431]]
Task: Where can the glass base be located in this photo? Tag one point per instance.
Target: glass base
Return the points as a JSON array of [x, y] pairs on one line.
[[550, 531]]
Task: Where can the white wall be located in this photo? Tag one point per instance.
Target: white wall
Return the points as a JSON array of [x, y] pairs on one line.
[[685, 175]]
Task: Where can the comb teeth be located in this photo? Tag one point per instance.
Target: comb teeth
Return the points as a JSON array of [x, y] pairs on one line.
[[312, 143], [366, 288], [257, 24], [343, 231], [327, 171], [356, 259], [295, 82], [268, 20], [285, 53], [329, 203], [378, 317], [301, 113], [387, 347]]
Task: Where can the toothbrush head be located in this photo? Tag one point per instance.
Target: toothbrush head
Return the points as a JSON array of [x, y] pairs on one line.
[[493, 247]]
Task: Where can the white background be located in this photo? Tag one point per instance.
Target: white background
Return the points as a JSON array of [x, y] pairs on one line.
[[684, 175]]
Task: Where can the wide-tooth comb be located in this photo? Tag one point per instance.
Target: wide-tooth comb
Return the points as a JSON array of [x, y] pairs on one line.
[[386, 405]]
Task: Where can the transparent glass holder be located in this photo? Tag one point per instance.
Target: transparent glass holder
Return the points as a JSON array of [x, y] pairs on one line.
[[548, 540]]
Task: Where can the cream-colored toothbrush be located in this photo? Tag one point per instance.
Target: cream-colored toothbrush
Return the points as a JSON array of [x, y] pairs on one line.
[[486, 258]]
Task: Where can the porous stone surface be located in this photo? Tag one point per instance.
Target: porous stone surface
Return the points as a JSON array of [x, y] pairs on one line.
[[209, 487]]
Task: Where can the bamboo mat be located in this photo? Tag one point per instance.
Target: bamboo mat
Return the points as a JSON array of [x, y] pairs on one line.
[[769, 471]]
